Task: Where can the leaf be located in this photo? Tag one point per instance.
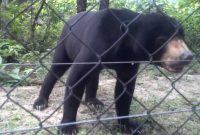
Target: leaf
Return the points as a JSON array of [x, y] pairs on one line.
[[15, 74], [27, 71]]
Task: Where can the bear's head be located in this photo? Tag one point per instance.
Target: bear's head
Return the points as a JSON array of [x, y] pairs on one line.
[[163, 42]]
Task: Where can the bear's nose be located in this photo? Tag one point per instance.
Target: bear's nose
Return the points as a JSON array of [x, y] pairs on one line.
[[187, 56]]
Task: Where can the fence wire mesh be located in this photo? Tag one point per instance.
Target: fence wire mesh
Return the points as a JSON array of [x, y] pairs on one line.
[[162, 104]]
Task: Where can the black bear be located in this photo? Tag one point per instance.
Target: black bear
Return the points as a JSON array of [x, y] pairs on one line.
[[117, 39]]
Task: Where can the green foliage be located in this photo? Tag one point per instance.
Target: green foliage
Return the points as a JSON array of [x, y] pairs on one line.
[[10, 74], [10, 50], [8, 78], [37, 27], [24, 36]]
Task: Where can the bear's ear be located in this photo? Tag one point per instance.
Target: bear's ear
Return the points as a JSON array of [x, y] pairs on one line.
[[174, 22], [161, 40], [123, 26]]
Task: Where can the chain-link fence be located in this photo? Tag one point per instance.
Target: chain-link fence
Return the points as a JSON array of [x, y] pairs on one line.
[[103, 51]]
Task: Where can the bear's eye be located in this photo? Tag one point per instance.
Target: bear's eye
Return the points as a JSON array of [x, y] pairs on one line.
[[161, 40]]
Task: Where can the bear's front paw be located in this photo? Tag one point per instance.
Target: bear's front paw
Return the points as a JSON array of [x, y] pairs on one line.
[[40, 104]]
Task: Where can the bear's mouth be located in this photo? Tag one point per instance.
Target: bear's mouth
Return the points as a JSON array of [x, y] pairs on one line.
[[174, 68]]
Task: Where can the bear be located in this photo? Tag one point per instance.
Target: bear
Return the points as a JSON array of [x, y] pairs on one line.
[[117, 39]]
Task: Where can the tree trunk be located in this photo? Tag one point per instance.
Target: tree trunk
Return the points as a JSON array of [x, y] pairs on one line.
[[81, 5], [103, 4]]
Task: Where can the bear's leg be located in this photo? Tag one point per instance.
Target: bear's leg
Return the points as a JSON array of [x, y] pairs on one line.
[[91, 92], [77, 79], [55, 72], [123, 95]]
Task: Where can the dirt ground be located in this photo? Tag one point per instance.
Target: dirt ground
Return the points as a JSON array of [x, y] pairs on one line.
[[150, 90]]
